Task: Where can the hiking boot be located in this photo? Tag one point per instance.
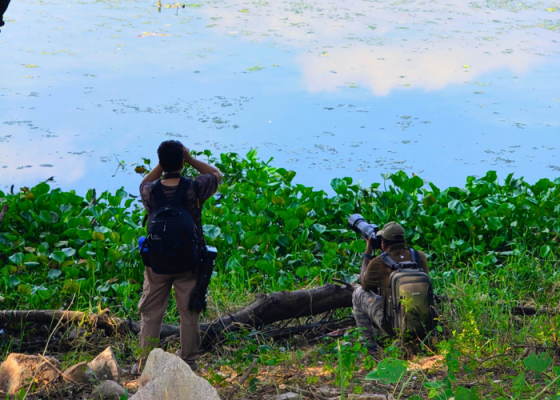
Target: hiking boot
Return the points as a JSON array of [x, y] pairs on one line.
[[372, 347], [191, 363]]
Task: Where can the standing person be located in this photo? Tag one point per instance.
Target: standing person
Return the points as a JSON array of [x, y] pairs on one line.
[[174, 190], [371, 299]]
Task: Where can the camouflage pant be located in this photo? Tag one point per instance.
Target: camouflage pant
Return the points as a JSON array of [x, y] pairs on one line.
[[368, 311]]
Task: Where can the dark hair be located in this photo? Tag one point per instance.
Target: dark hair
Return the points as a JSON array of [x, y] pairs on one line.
[[170, 154], [389, 243]]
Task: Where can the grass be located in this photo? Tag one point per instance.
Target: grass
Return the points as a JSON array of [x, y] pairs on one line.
[[482, 343]]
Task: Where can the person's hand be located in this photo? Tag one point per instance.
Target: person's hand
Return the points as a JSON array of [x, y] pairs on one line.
[[187, 155], [369, 246]]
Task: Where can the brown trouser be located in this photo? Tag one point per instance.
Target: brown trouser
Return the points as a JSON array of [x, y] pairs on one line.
[[155, 297]]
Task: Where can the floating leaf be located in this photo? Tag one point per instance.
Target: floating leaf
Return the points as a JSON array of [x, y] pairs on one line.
[[255, 68]]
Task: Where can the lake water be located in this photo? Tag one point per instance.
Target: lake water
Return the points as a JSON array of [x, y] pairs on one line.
[[444, 89]]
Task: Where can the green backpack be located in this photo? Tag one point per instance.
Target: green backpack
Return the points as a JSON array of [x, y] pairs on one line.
[[411, 299]]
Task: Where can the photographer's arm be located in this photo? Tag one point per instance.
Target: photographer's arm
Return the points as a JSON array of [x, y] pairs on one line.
[[200, 166], [366, 260], [153, 175]]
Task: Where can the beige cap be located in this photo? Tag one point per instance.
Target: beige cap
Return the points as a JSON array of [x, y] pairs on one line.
[[392, 231]]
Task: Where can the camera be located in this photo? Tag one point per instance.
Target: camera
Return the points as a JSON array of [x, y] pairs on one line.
[[369, 231], [198, 299]]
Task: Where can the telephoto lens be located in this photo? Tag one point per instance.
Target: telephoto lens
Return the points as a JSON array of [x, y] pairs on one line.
[[368, 231]]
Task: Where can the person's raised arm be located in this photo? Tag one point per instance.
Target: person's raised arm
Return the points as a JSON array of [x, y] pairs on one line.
[[201, 166], [154, 174], [367, 258]]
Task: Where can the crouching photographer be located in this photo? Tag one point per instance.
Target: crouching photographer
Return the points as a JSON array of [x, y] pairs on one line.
[[396, 292]]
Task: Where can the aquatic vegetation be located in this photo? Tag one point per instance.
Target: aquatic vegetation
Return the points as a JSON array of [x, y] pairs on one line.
[[271, 234]]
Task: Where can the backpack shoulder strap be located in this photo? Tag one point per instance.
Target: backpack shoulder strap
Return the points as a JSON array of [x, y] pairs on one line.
[[145, 219], [415, 256], [388, 261], [159, 196], [184, 184]]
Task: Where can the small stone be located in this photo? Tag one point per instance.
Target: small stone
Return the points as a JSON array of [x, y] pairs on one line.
[[369, 396], [167, 376], [328, 391], [75, 333], [105, 366], [80, 373], [108, 390], [18, 369], [285, 396]]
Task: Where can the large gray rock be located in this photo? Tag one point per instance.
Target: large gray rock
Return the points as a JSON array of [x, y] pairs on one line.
[[105, 366], [167, 376], [80, 373], [18, 369], [108, 390]]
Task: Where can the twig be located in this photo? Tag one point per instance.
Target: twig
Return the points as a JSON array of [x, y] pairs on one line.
[[243, 379], [496, 356], [318, 396], [545, 388], [46, 347], [3, 213], [59, 371], [248, 372]]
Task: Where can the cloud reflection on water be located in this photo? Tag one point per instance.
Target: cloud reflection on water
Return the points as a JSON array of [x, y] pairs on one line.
[[391, 45], [31, 161], [388, 69]]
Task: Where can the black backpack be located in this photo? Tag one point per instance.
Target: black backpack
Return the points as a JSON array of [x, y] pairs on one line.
[[411, 300], [172, 241]]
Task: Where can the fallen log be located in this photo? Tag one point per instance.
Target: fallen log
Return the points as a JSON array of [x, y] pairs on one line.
[[102, 321], [265, 310], [279, 306], [528, 310]]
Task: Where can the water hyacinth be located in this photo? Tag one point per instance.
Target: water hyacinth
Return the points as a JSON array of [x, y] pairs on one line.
[[271, 233]]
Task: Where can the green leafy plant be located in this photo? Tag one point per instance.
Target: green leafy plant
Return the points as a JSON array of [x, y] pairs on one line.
[[538, 363], [388, 371]]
